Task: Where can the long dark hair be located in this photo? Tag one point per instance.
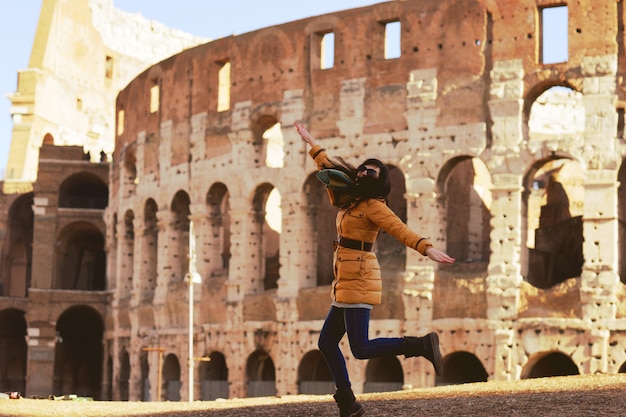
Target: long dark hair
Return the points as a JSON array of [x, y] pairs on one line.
[[365, 187]]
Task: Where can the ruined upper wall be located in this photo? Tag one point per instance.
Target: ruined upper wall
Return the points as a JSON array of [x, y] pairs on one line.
[[459, 41], [83, 53]]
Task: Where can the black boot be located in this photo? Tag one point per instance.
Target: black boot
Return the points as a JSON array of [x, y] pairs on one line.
[[348, 406], [426, 346]]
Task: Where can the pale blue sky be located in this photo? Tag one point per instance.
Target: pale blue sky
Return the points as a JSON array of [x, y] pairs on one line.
[[208, 18]]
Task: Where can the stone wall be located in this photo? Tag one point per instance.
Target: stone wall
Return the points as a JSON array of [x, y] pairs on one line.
[[465, 118], [452, 95]]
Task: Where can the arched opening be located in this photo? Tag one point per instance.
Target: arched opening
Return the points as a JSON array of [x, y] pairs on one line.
[[81, 258], [16, 275], [390, 252], [149, 250], [622, 369], [214, 377], [127, 256], [85, 191], [275, 154], [269, 143], [261, 375], [179, 242], [321, 229], [468, 205], [461, 368], [267, 216], [171, 378], [383, 375], [556, 114], [129, 172], [13, 351], [124, 376], [79, 353], [219, 220], [554, 198], [314, 376], [548, 365]]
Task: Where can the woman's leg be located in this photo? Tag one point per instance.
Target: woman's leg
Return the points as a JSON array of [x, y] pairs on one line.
[[333, 330], [357, 326]]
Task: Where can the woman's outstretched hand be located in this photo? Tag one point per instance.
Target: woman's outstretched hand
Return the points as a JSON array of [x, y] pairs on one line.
[[304, 133], [439, 256]]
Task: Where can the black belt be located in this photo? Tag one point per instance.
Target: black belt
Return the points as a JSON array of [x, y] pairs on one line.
[[355, 244]]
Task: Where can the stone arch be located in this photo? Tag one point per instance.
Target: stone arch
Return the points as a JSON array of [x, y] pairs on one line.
[[268, 240], [548, 364], [214, 377], [383, 374], [218, 203], [79, 352], [390, 252], [268, 143], [320, 228], [129, 170], [179, 229], [16, 273], [314, 377], [171, 378], [461, 368], [552, 229], [13, 360], [260, 375], [149, 251], [80, 257], [464, 182], [83, 190], [127, 255]]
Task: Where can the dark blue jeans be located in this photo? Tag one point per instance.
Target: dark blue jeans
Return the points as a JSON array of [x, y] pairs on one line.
[[355, 322]]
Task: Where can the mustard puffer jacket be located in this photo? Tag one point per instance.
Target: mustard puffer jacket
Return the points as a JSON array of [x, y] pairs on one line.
[[357, 273]]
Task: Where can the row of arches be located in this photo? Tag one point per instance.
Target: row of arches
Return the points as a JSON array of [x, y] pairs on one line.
[[79, 353], [79, 259], [313, 377], [553, 201]]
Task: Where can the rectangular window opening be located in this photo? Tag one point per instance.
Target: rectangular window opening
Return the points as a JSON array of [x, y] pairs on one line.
[[554, 35], [327, 51], [392, 39], [154, 96], [223, 87], [120, 122], [108, 68]]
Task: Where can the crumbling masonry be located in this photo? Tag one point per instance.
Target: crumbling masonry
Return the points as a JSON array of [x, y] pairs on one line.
[[517, 179]]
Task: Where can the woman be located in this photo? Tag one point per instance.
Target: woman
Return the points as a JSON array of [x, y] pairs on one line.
[[361, 197]]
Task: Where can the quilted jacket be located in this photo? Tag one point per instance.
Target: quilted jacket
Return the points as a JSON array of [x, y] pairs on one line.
[[357, 273]]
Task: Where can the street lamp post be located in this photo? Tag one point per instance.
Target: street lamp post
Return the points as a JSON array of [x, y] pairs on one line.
[[193, 277]]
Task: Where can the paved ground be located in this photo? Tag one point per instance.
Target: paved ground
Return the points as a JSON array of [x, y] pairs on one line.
[[577, 396]]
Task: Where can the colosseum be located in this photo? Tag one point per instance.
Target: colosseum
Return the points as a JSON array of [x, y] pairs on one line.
[[200, 255]]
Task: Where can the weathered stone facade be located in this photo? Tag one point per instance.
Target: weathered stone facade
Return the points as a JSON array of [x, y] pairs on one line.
[[83, 53], [475, 138]]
